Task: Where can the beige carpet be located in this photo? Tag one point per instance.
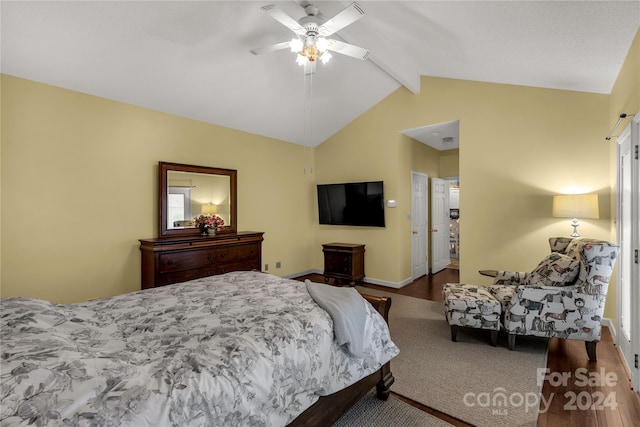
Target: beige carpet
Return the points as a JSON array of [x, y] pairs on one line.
[[373, 412], [462, 378]]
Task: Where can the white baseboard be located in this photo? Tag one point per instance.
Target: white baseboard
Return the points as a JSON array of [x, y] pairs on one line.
[[395, 285], [609, 324], [367, 279], [303, 273]]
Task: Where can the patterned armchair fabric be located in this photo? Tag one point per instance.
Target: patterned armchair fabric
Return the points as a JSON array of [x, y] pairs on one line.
[[560, 298]]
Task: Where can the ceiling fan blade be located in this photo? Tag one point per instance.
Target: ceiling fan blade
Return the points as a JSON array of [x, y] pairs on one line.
[[348, 15], [271, 48], [348, 49], [284, 19]]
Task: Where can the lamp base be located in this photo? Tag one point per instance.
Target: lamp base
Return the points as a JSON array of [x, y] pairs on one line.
[[575, 223]]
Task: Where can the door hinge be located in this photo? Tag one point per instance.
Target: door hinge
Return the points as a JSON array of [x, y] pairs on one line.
[[635, 256], [636, 361], [636, 152]]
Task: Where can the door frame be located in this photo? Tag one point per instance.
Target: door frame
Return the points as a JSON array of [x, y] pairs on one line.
[[629, 351]]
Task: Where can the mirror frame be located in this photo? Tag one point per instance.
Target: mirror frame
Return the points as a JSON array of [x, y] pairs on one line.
[[164, 168]]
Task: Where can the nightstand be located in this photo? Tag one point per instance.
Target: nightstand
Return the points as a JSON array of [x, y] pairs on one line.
[[343, 261]]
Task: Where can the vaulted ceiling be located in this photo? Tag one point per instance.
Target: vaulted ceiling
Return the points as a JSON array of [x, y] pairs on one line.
[[192, 59]]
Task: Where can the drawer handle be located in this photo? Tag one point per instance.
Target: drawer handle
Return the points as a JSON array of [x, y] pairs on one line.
[[223, 271], [222, 255], [169, 262], [209, 256], [209, 273]]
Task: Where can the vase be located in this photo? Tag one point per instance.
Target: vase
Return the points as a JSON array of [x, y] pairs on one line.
[[212, 231], [203, 230]]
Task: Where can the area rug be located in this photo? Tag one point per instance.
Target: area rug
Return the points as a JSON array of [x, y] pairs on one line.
[[468, 379], [373, 412]]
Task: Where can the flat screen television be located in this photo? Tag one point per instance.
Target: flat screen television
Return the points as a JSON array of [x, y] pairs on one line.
[[355, 203]]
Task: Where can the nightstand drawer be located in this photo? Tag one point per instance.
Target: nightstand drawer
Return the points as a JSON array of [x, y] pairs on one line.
[[337, 263]]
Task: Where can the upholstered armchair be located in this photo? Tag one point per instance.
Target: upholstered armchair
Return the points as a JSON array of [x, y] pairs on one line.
[[563, 297]]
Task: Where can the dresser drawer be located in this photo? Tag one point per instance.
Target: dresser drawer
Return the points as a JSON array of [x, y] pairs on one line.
[[173, 260], [190, 259], [246, 265], [169, 278], [237, 252], [185, 260]]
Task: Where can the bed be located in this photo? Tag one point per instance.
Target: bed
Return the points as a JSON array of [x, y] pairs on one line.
[[243, 348]]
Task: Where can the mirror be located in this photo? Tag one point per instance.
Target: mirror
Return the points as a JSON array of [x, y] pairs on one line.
[[187, 191]]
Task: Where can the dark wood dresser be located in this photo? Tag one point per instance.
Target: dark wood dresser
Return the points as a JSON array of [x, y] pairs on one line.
[[178, 259], [343, 261]]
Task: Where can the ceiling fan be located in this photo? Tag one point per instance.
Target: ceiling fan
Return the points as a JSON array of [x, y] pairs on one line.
[[312, 30]]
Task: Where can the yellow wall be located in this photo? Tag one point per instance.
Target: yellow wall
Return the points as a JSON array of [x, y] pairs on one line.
[[78, 176], [370, 149], [361, 152], [518, 146], [79, 188], [450, 163]]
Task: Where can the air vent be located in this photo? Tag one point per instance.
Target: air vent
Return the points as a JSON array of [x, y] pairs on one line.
[[447, 140]]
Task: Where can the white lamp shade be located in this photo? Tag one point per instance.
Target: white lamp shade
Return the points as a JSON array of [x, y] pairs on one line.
[[584, 206]]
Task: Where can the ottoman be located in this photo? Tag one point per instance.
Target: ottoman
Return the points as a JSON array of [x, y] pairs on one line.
[[471, 306]]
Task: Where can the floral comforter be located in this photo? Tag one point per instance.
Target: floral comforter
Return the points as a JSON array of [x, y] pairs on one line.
[[243, 348]]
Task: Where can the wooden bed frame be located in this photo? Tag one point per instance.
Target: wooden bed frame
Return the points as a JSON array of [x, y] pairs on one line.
[[328, 409]]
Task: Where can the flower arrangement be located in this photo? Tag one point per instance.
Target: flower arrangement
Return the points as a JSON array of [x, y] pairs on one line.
[[209, 221]]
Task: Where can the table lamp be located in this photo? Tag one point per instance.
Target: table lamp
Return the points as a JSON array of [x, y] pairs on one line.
[[584, 206]]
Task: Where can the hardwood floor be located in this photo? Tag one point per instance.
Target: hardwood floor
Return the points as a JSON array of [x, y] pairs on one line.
[[604, 383]]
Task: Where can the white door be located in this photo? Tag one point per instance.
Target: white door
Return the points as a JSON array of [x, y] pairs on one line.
[[440, 254], [419, 224], [628, 270]]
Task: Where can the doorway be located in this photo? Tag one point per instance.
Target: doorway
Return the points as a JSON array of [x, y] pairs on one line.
[[454, 221], [444, 138], [628, 230]]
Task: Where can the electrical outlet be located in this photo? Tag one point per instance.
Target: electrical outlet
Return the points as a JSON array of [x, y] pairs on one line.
[[278, 264], [266, 267]]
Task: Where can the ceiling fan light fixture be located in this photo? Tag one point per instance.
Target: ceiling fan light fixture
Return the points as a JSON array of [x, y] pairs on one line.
[[313, 49], [296, 45], [312, 30], [322, 44], [301, 60], [325, 57]]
